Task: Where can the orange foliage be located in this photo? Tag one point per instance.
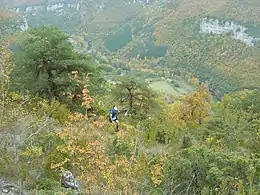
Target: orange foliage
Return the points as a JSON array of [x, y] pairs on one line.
[[86, 99], [193, 108], [92, 165], [196, 106], [157, 173]]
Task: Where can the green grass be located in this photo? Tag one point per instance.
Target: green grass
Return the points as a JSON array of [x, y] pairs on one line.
[[170, 89]]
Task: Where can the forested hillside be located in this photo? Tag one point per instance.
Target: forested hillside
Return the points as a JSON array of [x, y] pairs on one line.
[[214, 41], [184, 75], [229, 61]]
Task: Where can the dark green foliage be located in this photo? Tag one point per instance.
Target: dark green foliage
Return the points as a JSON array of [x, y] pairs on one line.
[[6, 27], [252, 102], [197, 170], [160, 133], [186, 141], [149, 51], [134, 95], [47, 184], [119, 39], [119, 147], [46, 60]]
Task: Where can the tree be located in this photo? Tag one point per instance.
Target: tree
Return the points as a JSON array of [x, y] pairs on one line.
[[251, 102], [46, 60], [196, 106], [192, 109], [134, 95]]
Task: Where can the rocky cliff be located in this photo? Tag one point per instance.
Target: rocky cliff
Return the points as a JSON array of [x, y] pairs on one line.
[[68, 15], [239, 32]]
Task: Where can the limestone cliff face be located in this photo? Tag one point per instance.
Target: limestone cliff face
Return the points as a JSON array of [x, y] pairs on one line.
[[237, 31], [66, 14], [10, 22]]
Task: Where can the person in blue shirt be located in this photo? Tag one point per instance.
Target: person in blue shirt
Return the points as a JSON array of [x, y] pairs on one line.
[[113, 116]]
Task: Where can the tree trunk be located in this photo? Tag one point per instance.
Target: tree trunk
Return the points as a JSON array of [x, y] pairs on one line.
[[51, 84], [131, 99]]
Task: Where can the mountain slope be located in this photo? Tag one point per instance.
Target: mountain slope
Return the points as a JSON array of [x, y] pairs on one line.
[[227, 59], [228, 64]]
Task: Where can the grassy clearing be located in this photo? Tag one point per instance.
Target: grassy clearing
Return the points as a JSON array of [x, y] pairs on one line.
[[168, 88]]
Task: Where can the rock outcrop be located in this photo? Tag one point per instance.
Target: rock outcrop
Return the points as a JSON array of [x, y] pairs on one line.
[[9, 189], [69, 181], [65, 11], [237, 31]]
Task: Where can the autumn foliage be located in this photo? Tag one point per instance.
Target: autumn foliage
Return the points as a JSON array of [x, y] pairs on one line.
[[83, 96], [190, 145]]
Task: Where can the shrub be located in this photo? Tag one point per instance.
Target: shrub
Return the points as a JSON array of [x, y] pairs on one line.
[[54, 109], [119, 147], [47, 184]]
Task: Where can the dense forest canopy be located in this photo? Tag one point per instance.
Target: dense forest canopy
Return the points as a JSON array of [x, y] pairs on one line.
[[184, 75]]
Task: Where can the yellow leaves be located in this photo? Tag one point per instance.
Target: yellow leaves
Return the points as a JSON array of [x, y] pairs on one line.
[[99, 122], [244, 94], [15, 96], [120, 135], [32, 151], [225, 101], [241, 95], [5, 70], [63, 134], [175, 113], [196, 106], [59, 165], [157, 173], [209, 140], [192, 108], [44, 103], [76, 116], [117, 173], [215, 143], [85, 97], [76, 76], [194, 81], [87, 155], [76, 144]]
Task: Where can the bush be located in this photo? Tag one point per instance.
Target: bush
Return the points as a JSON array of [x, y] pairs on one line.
[[54, 109], [108, 68], [205, 169], [119, 147], [176, 85], [47, 184], [186, 141]]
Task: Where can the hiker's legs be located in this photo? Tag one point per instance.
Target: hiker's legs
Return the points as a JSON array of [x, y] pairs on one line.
[[116, 125]]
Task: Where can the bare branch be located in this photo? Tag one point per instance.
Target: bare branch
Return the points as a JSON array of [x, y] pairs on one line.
[[39, 130], [193, 177]]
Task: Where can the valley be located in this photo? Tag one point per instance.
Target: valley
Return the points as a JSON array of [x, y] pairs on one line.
[[129, 97], [148, 30]]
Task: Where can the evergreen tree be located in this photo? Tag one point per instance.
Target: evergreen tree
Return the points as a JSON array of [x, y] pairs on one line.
[[46, 61], [135, 95]]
